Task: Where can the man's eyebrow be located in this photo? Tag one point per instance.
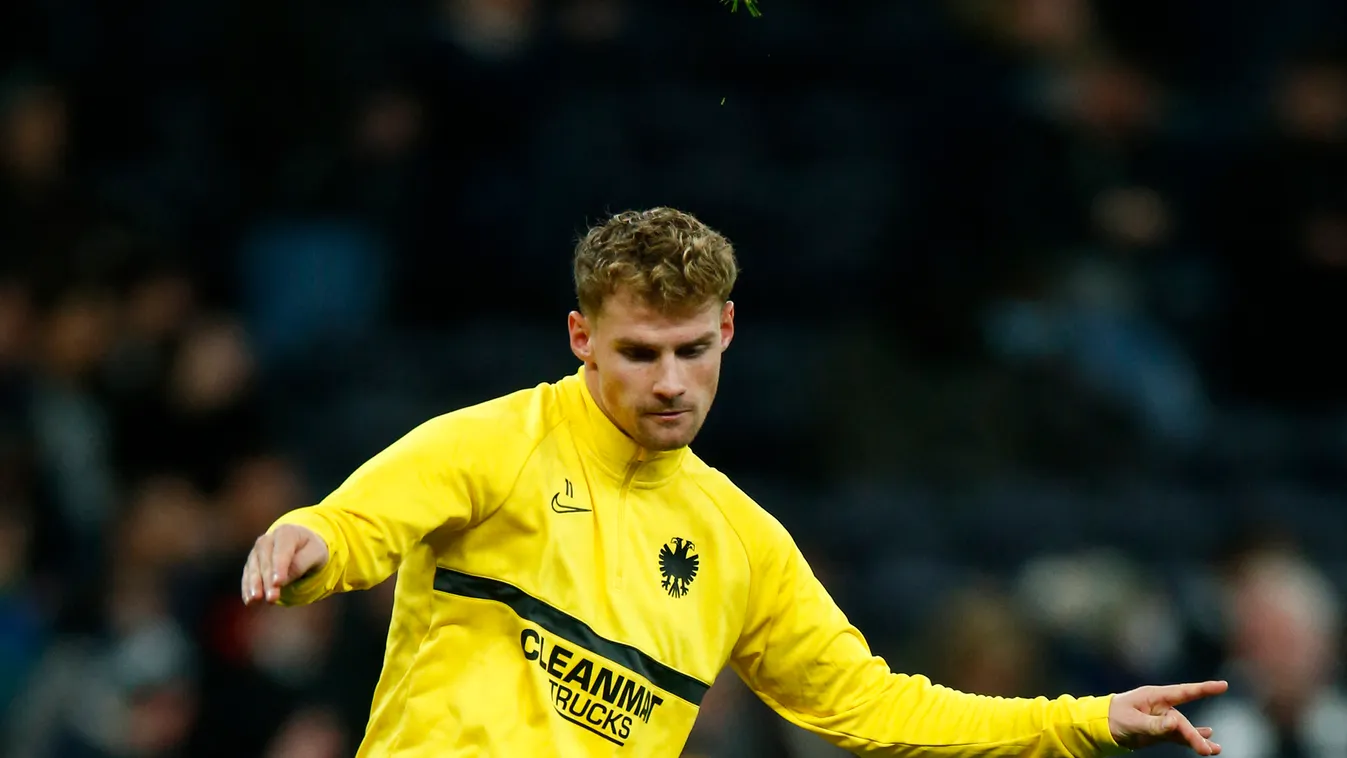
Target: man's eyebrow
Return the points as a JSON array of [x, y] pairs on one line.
[[633, 343], [705, 339]]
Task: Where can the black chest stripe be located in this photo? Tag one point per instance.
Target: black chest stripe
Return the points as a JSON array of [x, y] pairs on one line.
[[572, 629]]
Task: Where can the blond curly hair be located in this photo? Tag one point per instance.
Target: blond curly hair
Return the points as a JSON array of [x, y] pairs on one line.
[[663, 256]]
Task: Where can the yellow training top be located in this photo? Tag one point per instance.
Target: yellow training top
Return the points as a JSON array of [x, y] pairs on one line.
[[562, 592]]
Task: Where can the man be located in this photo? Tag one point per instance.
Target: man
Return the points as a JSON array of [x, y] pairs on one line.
[[571, 577]]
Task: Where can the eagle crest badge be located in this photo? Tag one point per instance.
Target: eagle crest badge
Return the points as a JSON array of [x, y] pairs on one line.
[[678, 564]]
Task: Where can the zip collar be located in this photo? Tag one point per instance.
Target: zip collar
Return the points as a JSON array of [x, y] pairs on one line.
[[617, 453]]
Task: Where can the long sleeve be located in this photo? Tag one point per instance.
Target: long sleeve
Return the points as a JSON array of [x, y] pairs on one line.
[[800, 655], [446, 474]]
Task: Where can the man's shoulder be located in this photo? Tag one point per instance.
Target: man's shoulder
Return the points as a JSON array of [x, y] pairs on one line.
[[518, 419], [741, 509], [539, 401]]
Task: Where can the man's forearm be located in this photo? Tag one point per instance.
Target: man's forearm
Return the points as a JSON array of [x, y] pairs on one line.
[[910, 716]]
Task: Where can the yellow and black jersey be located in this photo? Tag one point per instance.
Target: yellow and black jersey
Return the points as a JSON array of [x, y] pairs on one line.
[[563, 592]]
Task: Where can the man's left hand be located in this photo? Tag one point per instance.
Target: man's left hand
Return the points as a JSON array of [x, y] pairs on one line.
[[1149, 715]]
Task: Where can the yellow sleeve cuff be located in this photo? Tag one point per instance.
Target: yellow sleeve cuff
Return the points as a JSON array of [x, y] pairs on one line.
[[1096, 728], [321, 583]]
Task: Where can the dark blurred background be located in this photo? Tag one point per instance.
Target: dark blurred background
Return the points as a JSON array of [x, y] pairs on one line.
[[1037, 317]]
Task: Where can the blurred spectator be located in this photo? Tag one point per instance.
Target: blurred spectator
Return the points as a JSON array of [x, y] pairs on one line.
[[202, 411], [71, 428], [1284, 638], [490, 30], [45, 212], [121, 681], [1113, 620], [1282, 220], [1102, 311], [982, 642], [309, 734], [22, 626]]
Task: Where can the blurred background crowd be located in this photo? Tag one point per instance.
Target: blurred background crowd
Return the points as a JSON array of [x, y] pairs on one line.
[[1035, 352]]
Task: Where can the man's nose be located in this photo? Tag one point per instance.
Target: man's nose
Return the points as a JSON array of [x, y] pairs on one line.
[[670, 383]]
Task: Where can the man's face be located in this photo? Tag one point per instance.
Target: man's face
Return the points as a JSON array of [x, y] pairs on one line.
[[654, 373]]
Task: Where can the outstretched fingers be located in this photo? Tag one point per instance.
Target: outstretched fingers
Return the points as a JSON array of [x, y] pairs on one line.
[[1182, 731], [1178, 694]]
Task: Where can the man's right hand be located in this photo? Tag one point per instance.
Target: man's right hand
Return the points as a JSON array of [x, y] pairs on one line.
[[279, 558]]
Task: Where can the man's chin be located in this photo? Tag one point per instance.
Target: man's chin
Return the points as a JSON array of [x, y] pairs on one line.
[[664, 440]]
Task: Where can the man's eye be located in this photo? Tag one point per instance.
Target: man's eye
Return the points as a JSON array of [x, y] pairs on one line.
[[636, 354], [692, 352]]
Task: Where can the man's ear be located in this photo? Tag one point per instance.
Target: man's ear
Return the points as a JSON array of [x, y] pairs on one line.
[[726, 325], [582, 344]]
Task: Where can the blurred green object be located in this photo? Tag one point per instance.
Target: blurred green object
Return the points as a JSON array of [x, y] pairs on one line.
[[751, 5]]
